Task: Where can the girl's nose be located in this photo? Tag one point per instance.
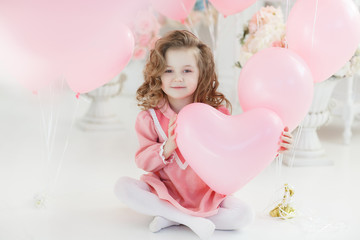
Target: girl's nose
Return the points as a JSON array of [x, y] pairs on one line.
[[178, 78]]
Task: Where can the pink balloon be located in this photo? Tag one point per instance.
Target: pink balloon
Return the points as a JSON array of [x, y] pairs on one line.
[[130, 9], [279, 80], [18, 63], [227, 151], [328, 41], [84, 40], [100, 58], [49, 27], [230, 7], [175, 9]]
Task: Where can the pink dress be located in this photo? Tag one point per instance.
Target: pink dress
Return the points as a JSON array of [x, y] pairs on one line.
[[173, 181]]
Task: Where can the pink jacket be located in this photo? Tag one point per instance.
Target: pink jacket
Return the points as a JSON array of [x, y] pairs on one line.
[[174, 181]]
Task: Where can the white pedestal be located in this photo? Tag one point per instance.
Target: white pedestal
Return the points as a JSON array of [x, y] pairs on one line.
[[102, 116], [307, 149], [346, 96]]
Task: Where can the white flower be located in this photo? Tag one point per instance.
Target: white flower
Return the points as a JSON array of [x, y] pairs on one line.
[[265, 27], [244, 57], [357, 52]]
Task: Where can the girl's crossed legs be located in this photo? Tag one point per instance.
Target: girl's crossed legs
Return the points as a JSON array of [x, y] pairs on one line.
[[232, 214]]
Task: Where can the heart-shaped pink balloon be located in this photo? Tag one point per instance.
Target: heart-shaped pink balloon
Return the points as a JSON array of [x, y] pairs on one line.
[[227, 151]]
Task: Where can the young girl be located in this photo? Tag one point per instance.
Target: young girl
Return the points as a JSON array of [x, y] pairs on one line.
[[180, 71]]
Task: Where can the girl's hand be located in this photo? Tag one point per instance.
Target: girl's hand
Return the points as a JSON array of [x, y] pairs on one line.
[[286, 140], [170, 145]]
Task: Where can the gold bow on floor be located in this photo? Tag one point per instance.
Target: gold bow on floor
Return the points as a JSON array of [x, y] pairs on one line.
[[284, 210]]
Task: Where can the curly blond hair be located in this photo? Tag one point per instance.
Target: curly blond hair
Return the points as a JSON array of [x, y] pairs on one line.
[[150, 93]]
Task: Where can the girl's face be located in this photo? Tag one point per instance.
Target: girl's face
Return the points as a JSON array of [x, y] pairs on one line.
[[181, 76]]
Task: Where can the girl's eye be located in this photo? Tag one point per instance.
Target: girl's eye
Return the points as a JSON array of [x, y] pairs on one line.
[[187, 71], [168, 71]]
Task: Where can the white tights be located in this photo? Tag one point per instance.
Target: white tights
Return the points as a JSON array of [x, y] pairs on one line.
[[233, 213]]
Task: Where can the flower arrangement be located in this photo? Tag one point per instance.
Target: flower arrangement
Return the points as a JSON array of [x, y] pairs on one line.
[[265, 29], [146, 31]]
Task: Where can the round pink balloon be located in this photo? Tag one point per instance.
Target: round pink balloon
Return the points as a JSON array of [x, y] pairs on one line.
[[230, 7], [175, 9], [83, 40], [325, 35], [279, 80], [52, 27], [100, 58], [227, 151], [18, 63]]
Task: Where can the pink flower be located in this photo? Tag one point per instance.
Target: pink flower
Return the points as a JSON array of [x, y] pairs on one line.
[[264, 16], [144, 39], [145, 29], [278, 44], [139, 53], [145, 22]]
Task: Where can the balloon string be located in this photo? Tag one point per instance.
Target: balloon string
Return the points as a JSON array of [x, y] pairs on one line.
[[42, 198], [258, 15], [64, 150], [47, 124], [315, 108], [279, 159], [296, 142], [287, 9], [48, 127], [286, 18], [54, 130], [314, 25], [278, 168], [211, 26], [218, 32], [43, 124], [284, 209], [300, 127], [190, 27], [52, 127]]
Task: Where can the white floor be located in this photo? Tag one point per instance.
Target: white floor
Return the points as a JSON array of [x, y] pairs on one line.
[[82, 205]]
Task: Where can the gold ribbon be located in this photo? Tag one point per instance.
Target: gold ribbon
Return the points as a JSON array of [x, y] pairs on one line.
[[284, 210]]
